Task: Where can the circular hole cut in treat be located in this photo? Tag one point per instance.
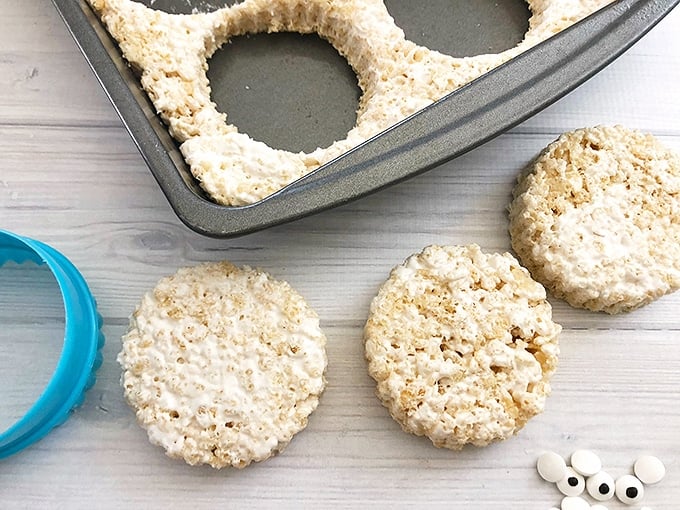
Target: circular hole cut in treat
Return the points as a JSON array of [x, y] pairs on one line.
[[292, 91], [223, 365], [462, 28], [462, 345], [187, 6]]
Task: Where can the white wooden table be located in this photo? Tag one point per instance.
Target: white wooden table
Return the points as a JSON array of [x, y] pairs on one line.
[[71, 176]]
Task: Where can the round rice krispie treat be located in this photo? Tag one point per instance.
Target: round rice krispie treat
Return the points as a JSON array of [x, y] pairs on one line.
[[223, 365], [461, 345], [596, 218]]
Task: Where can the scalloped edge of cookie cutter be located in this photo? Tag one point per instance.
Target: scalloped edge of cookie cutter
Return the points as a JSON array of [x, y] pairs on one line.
[[81, 353]]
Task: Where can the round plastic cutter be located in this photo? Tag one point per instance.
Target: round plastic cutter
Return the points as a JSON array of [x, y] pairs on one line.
[[80, 355]]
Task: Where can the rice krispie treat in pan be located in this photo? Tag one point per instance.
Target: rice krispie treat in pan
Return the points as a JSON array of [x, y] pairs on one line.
[[397, 77], [596, 218], [462, 345], [223, 365]]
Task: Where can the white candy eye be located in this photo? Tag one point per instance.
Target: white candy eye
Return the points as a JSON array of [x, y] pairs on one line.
[[601, 486], [551, 467], [629, 490], [574, 503], [586, 462], [649, 469], [572, 484]]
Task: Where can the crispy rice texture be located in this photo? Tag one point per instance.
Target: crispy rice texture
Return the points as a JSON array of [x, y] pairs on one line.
[[461, 345], [223, 365], [397, 77], [596, 218]]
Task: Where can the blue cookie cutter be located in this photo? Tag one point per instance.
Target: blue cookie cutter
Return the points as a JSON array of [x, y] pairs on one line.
[[81, 353]]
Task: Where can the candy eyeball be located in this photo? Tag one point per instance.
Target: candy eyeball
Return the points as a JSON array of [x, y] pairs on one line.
[[574, 503], [551, 467], [586, 462], [629, 490], [572, 484], [601, 486], [649, 469], [585, 474]]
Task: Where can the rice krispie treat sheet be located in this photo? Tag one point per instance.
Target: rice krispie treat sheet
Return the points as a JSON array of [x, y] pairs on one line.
[[397, 77]]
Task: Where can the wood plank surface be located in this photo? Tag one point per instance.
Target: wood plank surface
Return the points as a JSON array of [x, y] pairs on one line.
[[71, 177]]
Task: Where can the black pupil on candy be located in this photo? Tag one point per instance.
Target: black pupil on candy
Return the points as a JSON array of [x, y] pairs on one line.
[[603, 488], [573, 481], [631, 492]]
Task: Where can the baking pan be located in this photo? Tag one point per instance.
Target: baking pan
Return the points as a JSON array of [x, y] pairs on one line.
[[457, 123]]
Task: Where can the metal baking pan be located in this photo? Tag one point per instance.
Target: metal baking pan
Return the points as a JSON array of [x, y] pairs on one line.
[[457, 123]]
